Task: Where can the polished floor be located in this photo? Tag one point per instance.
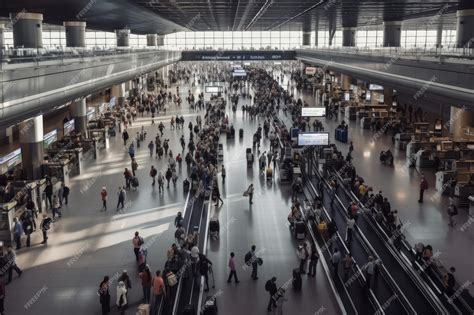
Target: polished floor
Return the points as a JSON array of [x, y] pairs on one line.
[[427, 222], [86, 244]]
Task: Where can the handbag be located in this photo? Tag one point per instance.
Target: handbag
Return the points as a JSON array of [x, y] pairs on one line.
[[246, 193]]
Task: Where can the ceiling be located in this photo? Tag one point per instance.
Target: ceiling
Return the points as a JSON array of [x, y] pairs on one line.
[[168, 16]]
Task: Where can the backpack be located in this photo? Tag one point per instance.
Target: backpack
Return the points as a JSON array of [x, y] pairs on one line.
[[153, 172], [268, 285], [171, 279], [248, 258]]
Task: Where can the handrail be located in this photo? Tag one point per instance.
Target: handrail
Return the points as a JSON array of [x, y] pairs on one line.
[[427, 292], [377, 305]]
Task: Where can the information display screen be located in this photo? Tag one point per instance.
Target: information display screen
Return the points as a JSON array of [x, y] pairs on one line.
[[375, 87], [212, 89], [49, 138], [313, 111], [310, 70], [69, 127], [313, 138]]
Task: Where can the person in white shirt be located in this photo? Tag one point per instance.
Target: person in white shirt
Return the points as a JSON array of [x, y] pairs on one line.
[[369, 271], [350, 227], [336, 259]]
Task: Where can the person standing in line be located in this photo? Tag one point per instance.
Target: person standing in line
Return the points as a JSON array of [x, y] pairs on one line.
[[45, 226], [271, 288], [121, 198], [250, 191], [159, 291], [17, 232], [303, 256], [137, 242], [146, 278], [350, 227], [313, 261], [233, 272], [103, 196], [335, 260], [369, 271], [423, 187], [10, 257], [347, 265], [104, 295], [153, 173]]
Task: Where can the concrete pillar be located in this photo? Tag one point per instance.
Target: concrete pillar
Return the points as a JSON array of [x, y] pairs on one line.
[[348, 36], [460, 119], [160, 40], [316, 37], [27, 30], [151, 40], [439, 34], [123, 37], [392, 33], [118, 91], [2, 37], [465, 28], [75, 34], [345, 82], [78, 111], [388, 96], [306, 38], [31, 143], [6, 135]]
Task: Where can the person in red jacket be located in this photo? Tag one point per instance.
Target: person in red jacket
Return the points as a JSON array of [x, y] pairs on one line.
[[423, 187]]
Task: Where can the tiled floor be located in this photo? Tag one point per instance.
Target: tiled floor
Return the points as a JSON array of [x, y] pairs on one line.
[[86, 244]]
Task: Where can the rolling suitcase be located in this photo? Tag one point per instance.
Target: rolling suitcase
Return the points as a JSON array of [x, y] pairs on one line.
[[297, 281], [210, 306], [300, 230], [343, 135]]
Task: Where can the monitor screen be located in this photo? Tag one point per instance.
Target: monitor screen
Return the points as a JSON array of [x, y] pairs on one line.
[[212, 89], [313, 111], [347, 96], [375, 87], [313, 138], [310, 70], [69, 127]]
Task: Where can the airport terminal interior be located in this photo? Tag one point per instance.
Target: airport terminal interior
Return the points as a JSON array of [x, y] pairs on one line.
[[236, 157]]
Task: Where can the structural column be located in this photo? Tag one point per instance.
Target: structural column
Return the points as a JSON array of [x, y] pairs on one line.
[[348, 36], [460, 119], [78, 111], [27, 30], [392, 33], [306, 38], [151, 40], [388, 96], [465, 28], [123, 37], [2, 40], [345, 82], [75, 34], [439, 34], [160, 40], [31, 143], [118, 91]]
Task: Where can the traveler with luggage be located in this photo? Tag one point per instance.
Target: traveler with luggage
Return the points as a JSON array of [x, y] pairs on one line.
[[303, 256], [153, 173], [121, 197], [137, 242], [251, 259], [204, 266], [271, 288], [121, 297], [45, 226], [104, 295]]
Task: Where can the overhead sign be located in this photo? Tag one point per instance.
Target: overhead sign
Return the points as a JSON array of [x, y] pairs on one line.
[[10, 160], [212, 89], [310, 70], [91, 113], [313, 138], [237, 55], [375, 87], [313, 111]]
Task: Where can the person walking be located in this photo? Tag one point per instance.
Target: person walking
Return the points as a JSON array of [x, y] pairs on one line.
[[17, 228], [45, 226], [347, 265], [423, 187], [204, 268], [159, 291], [125, 278], [335, 260], [125, 137], [48, 190], [161, 182], [250, 191], [452, 212], [313, 261], [65, 196], [370, 267], [103, 196], [271, 288], [131, 151], [233, 272], [251, 259], [121, 300], [10, 258], [146, 278], [56, 207], [153, 173], [151, 147], [350, 227], [137, 242], [168, 176], [104, 295], [134, 166], [121, 198], [223, 173]]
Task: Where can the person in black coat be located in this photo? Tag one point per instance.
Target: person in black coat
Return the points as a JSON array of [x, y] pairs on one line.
[[204, 264], [272, 289]]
